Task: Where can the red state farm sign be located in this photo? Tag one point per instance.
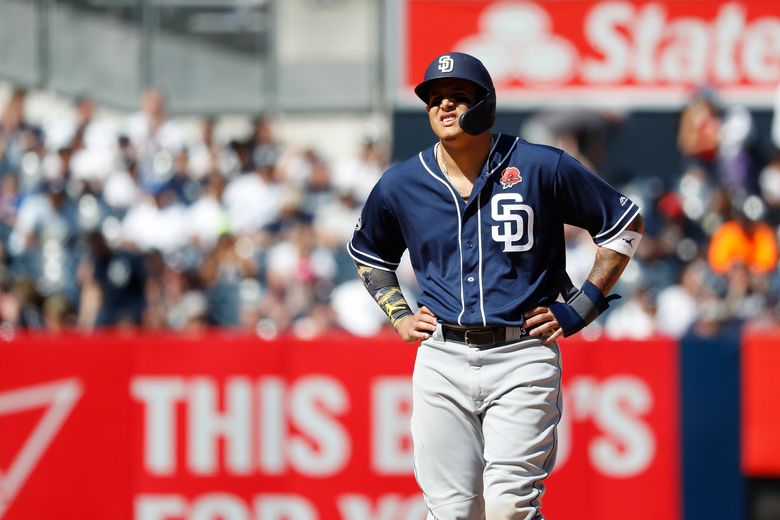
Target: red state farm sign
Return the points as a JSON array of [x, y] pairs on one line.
[[555, 49]]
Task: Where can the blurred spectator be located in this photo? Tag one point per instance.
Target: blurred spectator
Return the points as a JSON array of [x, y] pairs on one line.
[[720, 209], [204, 152], [317, 188], [189, 313], [299, 274], [677, 305], [50, 214], [335, 219], [678, 235], [175, 298], [223, 270], [155, 139], [354, 312], [32, 163], [769, 178], [713, 320], [582, 133], [265, 150], [633, 319], [769, 182], [85, 115], [744, 240], [241, 151], [775, 132], [83, 131], [699, 128], [720, 151], [157, 221], [359, 174], [745, 296], [254, 199], [10, 201], [739, 158], [115, 279], [57, 314], [206, 218], [181, 182], [698, 142], [27, 312], [121, 191], [12, 126], [156, 290]]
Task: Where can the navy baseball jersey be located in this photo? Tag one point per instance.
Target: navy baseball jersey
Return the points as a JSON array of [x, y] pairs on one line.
[[506, 249]]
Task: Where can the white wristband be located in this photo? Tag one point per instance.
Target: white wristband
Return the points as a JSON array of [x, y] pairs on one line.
[[625, 243]]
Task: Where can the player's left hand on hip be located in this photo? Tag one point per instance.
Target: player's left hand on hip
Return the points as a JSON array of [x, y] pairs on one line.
[[581, 308], [542, 322]]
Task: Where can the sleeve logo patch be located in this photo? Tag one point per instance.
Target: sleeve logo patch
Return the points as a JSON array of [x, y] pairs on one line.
[[359, 224], [510, 176], [623, 201]]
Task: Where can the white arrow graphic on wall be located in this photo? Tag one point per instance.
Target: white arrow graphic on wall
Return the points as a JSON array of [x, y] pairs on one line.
[[59, 398]]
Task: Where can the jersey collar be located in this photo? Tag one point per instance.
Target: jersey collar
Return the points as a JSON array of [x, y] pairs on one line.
[[501, 149]]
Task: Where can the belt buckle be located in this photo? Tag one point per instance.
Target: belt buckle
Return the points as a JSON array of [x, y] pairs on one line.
[[476, 333]]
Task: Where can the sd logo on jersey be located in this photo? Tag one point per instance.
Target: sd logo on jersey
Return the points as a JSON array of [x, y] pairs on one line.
[[514, 222], [510, 176]]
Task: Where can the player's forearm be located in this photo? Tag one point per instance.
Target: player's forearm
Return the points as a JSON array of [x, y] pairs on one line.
[[609, 265], [383, 286], [607, 268]]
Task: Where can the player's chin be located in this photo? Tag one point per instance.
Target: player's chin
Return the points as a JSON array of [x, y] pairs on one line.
[[450, 134]]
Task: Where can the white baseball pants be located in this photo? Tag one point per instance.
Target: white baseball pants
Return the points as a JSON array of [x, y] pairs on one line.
[[484, 427]]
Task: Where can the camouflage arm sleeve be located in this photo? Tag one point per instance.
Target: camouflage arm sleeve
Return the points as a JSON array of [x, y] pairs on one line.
[[383, 286]]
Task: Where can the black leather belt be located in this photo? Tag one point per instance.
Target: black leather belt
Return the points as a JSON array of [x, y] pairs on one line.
[[482, 337]]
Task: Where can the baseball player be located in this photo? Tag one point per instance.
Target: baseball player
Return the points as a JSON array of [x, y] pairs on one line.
[[482, 216]]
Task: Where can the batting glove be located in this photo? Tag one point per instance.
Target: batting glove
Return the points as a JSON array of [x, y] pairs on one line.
[[581, 308]]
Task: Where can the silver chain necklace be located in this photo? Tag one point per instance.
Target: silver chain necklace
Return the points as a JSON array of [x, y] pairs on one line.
[[440, 157]]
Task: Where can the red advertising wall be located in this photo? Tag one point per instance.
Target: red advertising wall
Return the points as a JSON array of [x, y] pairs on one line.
[[760, 417], [164, 427], [647, 51]]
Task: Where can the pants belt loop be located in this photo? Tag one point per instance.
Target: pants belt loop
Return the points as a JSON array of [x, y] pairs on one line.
[[438, 334]]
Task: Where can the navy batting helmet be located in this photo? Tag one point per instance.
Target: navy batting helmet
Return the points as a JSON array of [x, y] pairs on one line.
[[459, 65]]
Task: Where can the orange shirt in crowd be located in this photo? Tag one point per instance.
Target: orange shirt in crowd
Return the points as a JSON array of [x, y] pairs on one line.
[[734, 243]]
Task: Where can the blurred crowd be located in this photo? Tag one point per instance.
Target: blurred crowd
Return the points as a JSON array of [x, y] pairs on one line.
[[140, 226], [132, 225], [708, 262]]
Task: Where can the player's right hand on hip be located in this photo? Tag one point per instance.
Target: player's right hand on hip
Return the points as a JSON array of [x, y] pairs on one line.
[[416, 327]]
